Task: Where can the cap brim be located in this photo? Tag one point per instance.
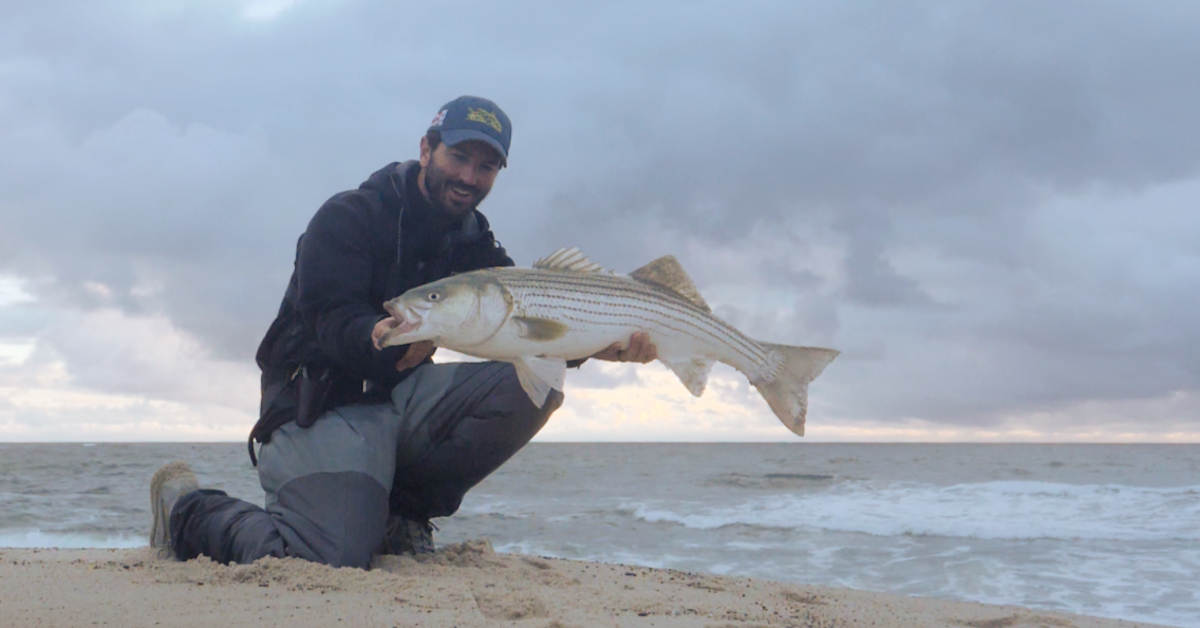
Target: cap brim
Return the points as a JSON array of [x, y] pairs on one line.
[[452, 137]]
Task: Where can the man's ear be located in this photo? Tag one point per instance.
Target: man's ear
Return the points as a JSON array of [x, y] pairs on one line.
[[426, 152]]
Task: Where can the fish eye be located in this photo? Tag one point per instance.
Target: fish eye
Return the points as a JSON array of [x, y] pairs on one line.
[[434, 296]]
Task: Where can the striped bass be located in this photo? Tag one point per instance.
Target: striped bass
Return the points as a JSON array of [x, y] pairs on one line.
[[567, 307]]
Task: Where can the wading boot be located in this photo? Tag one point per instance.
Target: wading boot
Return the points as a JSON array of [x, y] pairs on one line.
[[172, 481], [406, 536]]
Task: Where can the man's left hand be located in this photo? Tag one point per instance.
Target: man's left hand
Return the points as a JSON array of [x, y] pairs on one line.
[[416, 354], [639, 350]]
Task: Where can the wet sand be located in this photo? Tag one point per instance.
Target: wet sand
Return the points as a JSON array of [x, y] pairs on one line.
[[461, 586]]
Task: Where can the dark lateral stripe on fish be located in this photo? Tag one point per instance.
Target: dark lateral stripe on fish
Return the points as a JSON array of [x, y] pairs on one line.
[[684, 311], [689, 326], [622, 293], [606, 318], [623, 289], [604, 302]]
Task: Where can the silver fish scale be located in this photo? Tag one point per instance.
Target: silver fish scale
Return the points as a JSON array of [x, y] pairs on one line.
[[604, 299]]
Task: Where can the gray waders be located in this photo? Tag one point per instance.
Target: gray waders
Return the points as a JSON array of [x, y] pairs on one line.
[[330, 487]]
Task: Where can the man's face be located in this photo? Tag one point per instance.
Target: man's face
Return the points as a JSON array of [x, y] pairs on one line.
[[456, 178]]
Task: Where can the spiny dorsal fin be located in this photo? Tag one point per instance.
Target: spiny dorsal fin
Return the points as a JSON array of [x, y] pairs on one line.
[[666, 272], [571, 259]]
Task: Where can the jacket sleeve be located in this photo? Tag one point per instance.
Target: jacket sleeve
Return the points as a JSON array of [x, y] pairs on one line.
[[333, 271]]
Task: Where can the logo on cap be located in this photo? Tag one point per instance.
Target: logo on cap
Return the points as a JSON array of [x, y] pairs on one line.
[[439, 118], [484, 116]]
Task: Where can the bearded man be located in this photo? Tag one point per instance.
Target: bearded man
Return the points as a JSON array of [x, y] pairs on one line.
[[361, 447]]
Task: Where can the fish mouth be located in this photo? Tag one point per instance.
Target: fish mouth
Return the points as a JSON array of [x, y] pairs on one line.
[[394, 308], [400, 324], [400, 327]]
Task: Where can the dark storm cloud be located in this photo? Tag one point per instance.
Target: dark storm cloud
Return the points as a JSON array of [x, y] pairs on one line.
[[161, 158]]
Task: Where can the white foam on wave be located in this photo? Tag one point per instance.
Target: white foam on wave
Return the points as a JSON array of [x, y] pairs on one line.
[[484, 507], [988, 510], [28, 539]]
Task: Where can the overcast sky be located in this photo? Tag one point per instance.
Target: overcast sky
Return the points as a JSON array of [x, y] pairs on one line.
[[991, 208]]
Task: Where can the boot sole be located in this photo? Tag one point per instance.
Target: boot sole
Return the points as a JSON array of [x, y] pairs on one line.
[[160, 531]]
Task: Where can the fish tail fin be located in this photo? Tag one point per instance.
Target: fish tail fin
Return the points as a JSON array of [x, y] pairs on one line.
[[787, 393]]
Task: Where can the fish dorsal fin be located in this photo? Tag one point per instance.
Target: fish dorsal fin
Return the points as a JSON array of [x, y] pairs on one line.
[[668, 273], [570, 259]]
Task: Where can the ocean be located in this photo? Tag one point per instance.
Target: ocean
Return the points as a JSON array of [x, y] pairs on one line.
[[1107, 530]]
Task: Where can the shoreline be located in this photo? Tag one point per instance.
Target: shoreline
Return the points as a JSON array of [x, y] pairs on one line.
[[461, 585]]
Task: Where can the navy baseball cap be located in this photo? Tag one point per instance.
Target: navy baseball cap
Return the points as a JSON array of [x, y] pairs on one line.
[[472, 118]]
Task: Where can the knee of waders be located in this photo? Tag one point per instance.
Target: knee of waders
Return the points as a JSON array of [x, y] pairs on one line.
[[337, 519]]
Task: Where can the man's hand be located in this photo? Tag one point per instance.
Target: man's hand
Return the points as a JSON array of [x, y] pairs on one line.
[[416, 354], [640, 350], [417, 351]]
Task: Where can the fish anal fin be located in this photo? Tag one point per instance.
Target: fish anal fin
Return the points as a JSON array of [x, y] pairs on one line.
[[569, 259], [692, 372], [540, 329], [539, 375], [667, 272]]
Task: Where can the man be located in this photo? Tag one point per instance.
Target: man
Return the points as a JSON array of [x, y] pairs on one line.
[[362, 447]]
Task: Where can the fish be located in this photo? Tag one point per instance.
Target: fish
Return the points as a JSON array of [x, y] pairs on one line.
[[568, 307]]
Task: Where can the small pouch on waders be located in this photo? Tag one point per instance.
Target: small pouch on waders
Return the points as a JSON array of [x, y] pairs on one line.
[[313, 386], [301, 397]]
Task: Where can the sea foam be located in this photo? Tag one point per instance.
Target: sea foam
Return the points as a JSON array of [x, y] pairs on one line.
[[25, 539], [987, 510]]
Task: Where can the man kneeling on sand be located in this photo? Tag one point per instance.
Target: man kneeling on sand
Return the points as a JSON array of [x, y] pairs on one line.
[[361, 447]]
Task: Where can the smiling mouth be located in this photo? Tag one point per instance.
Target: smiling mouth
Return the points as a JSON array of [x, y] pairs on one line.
[[460, 192]]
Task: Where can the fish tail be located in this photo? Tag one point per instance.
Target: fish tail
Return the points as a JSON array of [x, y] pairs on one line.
[[787, 391]]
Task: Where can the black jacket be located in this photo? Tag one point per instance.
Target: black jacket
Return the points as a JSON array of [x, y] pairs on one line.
[[347, 265]]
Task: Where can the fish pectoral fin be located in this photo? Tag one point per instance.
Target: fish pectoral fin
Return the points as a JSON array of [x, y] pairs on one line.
[[693, 373], [540, 329], [539, 375], [666, 272]]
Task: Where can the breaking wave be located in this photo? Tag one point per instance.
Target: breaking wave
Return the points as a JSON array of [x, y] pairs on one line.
[[989, 510], [23, 539]]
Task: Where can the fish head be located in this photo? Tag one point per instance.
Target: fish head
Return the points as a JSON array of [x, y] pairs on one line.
[[456, 312]]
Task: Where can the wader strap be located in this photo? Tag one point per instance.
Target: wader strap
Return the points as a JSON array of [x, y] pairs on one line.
[[261, 430]]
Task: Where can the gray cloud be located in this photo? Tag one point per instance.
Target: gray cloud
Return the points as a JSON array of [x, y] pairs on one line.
[[905, 181]]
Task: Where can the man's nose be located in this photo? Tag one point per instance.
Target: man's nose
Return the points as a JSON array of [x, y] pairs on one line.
[[470, 174]]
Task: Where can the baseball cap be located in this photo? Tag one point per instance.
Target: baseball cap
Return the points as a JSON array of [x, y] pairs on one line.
[[473, 118]]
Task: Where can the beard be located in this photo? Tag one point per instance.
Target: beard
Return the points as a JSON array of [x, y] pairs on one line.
[[439, 184]]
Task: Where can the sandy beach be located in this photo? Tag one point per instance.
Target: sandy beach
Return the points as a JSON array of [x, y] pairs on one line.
[[460, 586]]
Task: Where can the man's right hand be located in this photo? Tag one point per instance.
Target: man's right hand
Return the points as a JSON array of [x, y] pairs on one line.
[[417, 351]]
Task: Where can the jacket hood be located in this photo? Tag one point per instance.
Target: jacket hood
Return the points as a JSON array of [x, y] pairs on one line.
[[390, 182]]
